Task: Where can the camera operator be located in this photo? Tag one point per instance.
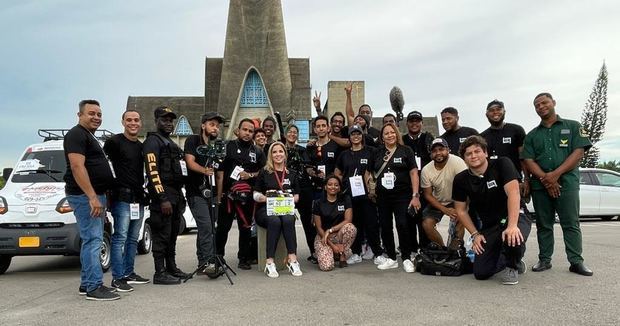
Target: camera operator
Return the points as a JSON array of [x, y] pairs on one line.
[[235, 178], [199, 184]]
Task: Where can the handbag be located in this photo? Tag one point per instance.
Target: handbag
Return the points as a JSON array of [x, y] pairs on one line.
[[441, 261], [372, 182]]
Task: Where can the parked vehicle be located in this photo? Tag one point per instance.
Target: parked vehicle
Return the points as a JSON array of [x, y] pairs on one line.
[[35, 217], [599, 194]]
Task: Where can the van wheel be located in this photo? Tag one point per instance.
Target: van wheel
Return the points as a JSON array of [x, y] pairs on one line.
[[5, 262], [182, 226], [145, 245], [105, 254]]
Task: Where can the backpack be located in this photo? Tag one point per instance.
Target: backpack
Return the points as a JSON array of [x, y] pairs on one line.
[[443, 261]]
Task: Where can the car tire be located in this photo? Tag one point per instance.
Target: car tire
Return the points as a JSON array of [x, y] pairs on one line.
[[5, 262], [145, 245], [183, 226], [105, 256]]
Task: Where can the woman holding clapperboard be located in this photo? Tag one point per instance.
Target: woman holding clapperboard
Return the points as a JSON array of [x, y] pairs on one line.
[[276, 191]]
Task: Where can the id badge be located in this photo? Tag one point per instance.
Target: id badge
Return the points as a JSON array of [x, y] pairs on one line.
[[183, 167], [235, 172], [418, 162], [134, 211], [112, 169], [357, 186], [388, 180], [321, 168]]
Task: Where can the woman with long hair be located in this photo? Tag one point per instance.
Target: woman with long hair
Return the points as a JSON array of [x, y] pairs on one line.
[[274, 180], [332, 214], [394, 168]]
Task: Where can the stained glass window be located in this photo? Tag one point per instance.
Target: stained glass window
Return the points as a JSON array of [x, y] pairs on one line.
[[183, 128], [253, 95]]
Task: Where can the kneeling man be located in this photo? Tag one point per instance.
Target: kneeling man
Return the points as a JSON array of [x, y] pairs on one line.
[[492, 188]]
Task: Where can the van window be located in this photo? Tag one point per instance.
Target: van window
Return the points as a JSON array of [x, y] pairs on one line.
[[41, 166]]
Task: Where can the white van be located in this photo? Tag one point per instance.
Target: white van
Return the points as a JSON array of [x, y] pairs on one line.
[[35, 217]]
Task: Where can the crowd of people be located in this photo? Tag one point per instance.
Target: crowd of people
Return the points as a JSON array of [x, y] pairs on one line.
[[348, 186]]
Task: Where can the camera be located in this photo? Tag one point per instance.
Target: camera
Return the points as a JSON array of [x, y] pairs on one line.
[[215, 150], [205, 191]]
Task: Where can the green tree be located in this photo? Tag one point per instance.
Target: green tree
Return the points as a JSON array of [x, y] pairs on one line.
[[594, 117], [1, 182], [610, 165]]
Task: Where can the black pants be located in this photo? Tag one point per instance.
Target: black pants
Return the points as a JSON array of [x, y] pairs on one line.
[[417, 224], [164, 230], [224, 224], [497, 254], [304, 206], [397, 207], [366, 221], [275, 226], [200, 208]]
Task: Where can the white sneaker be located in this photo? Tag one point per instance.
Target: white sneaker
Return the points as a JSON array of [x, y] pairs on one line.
[[413, 255], [294, 268], [368, 254], [408, 266], [388, 264], [380, 260], [271, 271], [354, 259]]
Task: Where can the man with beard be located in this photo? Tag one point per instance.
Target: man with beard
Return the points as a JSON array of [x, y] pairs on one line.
[[235, 178], [338, 133], [126, 200], [436, 184], [200, 177], [87, 178], [505, 140], [390, 118], [420, 143], [552, 152], [455, 134], [165, 171]]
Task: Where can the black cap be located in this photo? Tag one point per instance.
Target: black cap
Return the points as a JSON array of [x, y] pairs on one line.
[[439, 142], [495, 103], [414, 115], [212, 116], [355, 128], [163, 111]]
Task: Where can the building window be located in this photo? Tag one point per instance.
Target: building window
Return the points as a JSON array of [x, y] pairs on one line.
[[254, 95], [183, 128]]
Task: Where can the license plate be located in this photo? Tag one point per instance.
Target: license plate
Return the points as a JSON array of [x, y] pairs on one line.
[[28, 242]]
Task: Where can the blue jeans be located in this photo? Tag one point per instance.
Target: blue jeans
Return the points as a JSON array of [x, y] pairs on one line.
[[91, 233], [124, 239]]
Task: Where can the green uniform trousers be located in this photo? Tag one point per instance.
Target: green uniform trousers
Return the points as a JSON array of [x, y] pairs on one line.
[[567, 208]]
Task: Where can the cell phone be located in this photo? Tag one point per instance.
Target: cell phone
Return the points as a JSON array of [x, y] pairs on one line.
[[412, 211]]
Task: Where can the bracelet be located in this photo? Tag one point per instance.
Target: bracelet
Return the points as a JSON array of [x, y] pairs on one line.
[[475, 234], [329, 231]]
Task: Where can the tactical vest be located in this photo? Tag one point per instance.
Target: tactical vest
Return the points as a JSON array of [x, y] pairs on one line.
[[169, 164]]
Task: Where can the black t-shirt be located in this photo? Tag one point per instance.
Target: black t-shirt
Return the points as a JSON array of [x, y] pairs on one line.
[[128, 162], [269, 181], [244, 154], [401, 163], [194, 179], [375, 134], [352, 163], [331, 213], [81, 141], [420, 146], [455, 138], [505, 142], [486, 193], [329, 155]]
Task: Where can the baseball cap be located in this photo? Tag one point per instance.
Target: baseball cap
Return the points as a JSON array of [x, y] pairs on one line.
[[212, 116], [439, 142], [355, 128], [414, 115], [495, 103], [163, 111]]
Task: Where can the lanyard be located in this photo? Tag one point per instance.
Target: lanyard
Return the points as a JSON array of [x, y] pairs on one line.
[[279, 180]]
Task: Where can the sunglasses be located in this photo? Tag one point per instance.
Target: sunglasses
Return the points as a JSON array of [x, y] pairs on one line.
[[319, 153]]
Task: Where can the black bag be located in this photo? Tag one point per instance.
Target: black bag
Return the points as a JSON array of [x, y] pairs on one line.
[[442, 261]]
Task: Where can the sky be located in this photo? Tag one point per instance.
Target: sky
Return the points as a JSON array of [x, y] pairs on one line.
[[440, 53]]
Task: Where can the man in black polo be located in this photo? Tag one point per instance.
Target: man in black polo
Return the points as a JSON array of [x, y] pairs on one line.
[[201, 177], [235, 178], [455, 134], [492, 187], [420, 143], [87, 178], [165, 170]]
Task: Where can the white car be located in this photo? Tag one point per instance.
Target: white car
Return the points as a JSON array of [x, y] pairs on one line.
[[599, 194]]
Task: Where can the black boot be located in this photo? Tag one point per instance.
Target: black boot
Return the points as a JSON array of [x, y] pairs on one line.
[[172, 269], [161, 276]]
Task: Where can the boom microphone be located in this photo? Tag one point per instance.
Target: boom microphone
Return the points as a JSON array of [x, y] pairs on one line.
[[397, 102]]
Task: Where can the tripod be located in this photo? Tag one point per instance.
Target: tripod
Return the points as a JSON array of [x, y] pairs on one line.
[[221, 267]]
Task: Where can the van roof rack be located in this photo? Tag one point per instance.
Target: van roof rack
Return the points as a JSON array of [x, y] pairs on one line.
[[59, 134]]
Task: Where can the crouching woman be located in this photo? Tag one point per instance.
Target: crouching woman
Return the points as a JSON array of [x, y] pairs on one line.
[[332, 215]]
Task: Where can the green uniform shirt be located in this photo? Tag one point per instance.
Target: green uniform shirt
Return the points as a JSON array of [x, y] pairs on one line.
[[549, 147]]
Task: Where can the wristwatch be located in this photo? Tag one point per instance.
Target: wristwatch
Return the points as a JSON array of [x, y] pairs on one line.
[[416, 195]]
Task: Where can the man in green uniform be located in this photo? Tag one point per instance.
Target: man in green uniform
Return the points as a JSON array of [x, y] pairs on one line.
[[552, 152]]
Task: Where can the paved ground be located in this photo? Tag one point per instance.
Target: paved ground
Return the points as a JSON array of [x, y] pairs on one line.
[[43, 291]]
